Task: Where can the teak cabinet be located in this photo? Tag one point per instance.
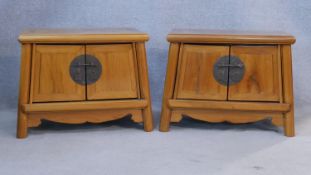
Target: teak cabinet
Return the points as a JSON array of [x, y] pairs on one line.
[[77, 76], [219, 76]]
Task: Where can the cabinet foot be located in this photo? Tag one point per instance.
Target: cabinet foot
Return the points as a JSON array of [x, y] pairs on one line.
[[289, 128], [22, 127], [148, 120], [165, 119]]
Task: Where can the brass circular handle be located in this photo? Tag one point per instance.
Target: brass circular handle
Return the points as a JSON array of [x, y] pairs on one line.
[[85, 69], [228, 70]]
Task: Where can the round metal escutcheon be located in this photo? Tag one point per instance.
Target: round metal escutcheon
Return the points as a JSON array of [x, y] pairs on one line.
[[228, 70], [236, 71], [220, 70], [85, 69], [77, 71]]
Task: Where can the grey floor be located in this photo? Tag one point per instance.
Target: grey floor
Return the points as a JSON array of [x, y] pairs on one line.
[[190, 148]]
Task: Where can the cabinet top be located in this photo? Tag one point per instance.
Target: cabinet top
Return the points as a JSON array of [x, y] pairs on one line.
[[103, 35], [229, 37]]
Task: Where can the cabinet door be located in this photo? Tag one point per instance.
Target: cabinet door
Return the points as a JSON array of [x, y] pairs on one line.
[[118, 78], [261, 77], [195, 77], [51, 73]]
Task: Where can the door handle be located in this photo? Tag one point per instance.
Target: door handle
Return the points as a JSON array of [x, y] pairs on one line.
[[231, 65], [228, 70], [85, 69], [86, 64]]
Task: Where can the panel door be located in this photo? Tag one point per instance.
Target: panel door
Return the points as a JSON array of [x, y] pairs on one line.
[[51, 73], [195, 77], [262, 74], [118, 78]]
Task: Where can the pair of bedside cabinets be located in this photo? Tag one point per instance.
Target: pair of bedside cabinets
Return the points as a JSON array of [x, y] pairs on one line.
[[98, 75]]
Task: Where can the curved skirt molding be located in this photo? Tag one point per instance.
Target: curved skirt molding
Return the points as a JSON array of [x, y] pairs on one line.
[[80, 117], [227, 116]]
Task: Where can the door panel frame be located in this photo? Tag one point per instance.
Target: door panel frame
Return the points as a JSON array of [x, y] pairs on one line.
[[135, 65], [277, 79], [276, 72], [180, 71], [33, 72]]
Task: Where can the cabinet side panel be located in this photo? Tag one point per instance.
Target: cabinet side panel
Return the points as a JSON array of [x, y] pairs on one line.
[[289, 126], [25, 72], [24, 86], [136, 70], [169, 85], [144, 84]]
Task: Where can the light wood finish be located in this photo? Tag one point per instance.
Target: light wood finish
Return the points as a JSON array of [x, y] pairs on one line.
[[289, 126], [136, 70], [47, 91], [51, 77], [280, 78], [169, 86], [24, 87], [278, 121], [79, 117], [225, 116], [229, 37], [104, 35], [261, 77], [265, 91], [118, 78], [178, 76], [195, 76], [85, 105], [144, 84], [225, 105]]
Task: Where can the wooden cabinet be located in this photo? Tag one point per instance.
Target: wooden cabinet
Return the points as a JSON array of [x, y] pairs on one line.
[[77, 76], [221, 76]]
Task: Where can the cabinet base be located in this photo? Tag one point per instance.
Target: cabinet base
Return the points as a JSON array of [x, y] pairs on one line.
[[77, 117], [227, 116], [216, 116]]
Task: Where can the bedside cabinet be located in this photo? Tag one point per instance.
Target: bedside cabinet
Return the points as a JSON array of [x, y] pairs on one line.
[[77, 76], [236, 77]]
